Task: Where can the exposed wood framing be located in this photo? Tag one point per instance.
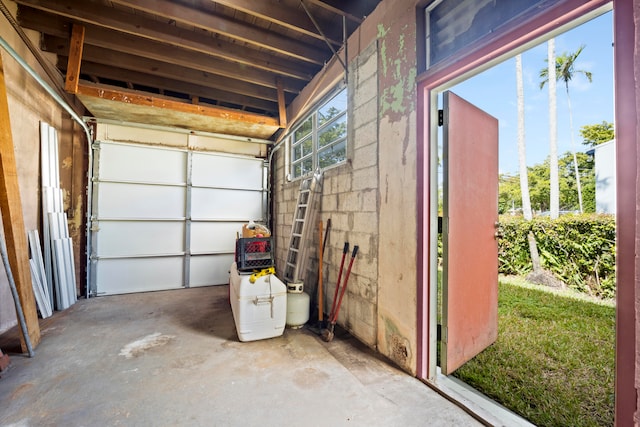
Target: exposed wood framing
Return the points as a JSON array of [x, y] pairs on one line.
[[273, 12], [13, 221], [110, 18], [255, 36], [150, 101], [75, 58], [335, 9], [176, 86], [168, 70], [282, 108], [170, 35], [137, 50]]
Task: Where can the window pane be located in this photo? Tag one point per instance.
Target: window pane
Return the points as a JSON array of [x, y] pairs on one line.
[[307, 166], [333, 108], [333, 154], [303, 167], [333, 132], [302, 149], [303, 130], [474, 19], [321, 140]]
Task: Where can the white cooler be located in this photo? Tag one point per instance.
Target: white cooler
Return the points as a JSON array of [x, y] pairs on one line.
[[260, 308]]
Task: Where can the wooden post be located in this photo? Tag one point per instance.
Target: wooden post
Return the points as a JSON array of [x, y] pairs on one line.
[[282, 108], [13, 220], [75, 59]]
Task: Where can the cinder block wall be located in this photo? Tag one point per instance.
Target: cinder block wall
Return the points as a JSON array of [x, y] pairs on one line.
[[350, 199], [371, 199]]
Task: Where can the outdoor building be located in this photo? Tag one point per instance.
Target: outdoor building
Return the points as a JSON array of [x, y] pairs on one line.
[[605, 169]]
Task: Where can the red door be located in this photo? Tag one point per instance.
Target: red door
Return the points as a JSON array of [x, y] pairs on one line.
[[470, 257]]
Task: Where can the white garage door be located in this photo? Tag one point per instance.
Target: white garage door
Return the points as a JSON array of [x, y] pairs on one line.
[[166, 218]]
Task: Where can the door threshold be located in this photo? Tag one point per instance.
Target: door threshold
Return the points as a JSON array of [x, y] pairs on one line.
[[486, 410]]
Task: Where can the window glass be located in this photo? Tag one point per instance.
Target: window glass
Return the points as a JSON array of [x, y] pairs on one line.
[[333, 131], [321, 139], [454, 24], [303, 168], [304, 130], [336, 106], [304, 148], [333, 154]]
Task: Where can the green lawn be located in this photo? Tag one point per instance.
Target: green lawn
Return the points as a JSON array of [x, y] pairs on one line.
[[553, 362]]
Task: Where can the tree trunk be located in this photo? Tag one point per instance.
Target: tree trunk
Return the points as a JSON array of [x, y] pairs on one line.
[[554, 190], [535, 256], [522, 152], [573, 149]]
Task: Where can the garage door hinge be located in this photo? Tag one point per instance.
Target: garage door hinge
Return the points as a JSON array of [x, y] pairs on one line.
[[440, 117]]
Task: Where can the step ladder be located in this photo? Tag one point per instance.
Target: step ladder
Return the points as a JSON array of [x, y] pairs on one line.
[[303, 220]]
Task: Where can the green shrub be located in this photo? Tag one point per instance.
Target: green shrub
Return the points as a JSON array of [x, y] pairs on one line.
[[578, 249]]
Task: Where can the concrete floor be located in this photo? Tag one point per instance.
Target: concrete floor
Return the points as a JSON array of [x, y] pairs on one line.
[[195, 372]]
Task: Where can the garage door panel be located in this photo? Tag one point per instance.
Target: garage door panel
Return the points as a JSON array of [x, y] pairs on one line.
[[119, 162], [130, 238], [222, 204], [206, 270], [236, 172], [120, 200], [127, 275], [167, 218], [213, 236]]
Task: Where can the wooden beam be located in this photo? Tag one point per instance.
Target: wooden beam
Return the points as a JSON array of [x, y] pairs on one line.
[[178, 86], [13, 220], [58, 26], [217, 24], [335, 9], [75, 58], [293, 19], [183, 58], [109, 17], [135, 98], [282, 108], [165, 69]]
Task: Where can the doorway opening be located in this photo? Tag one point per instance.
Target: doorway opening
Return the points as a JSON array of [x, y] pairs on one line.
[[494, 91]]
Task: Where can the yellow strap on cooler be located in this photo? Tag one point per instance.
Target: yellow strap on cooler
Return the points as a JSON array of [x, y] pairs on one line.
[[263, 272]]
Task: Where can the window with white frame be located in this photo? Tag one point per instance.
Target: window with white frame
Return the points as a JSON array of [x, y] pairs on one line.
[[320, 141]]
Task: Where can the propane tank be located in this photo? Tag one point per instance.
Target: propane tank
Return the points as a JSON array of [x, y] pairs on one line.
[[297, 309]]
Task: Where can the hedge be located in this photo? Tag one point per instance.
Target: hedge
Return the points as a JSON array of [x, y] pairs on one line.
[[578, 249]]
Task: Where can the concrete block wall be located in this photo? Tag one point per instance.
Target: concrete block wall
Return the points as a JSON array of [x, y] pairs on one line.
[[371, 199], [350, 198]]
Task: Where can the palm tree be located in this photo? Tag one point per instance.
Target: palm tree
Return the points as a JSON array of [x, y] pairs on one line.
[[524, 175], [549, 75], [565, 71], [522, 159]]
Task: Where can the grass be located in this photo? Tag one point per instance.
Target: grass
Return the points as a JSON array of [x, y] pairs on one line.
[[553, 362]]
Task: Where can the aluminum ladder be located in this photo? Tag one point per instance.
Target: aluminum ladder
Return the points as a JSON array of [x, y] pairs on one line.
[[303, 220]]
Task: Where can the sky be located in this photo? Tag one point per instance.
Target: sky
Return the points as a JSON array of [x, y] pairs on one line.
[[495, 92]]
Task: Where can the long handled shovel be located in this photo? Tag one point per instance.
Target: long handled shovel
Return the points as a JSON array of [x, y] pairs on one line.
[[327, 334]]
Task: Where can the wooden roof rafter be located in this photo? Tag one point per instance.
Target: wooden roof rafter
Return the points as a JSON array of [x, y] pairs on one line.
[[242, 55]]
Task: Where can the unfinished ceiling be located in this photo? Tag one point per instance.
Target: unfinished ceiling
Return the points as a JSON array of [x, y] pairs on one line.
[[237, 62]]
